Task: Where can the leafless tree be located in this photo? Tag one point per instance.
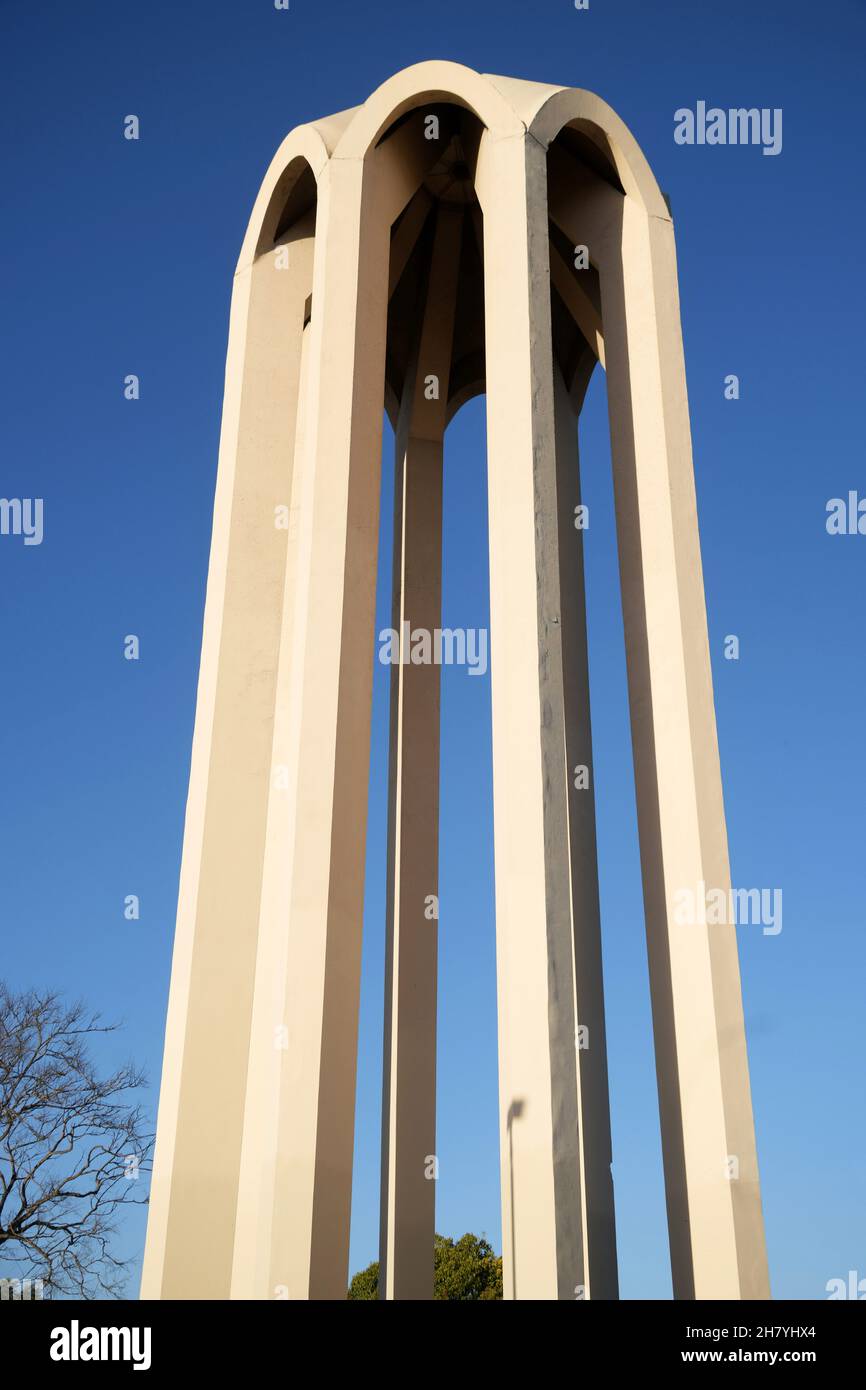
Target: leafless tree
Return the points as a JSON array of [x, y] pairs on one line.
[[72, 1144]]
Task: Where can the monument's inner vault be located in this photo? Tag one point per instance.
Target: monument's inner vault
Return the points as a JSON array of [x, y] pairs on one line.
[[456, 234]]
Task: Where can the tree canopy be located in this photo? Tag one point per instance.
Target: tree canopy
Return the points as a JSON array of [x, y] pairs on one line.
[[463, 1269]]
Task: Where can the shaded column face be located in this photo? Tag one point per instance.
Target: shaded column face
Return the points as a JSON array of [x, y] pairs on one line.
[[593, 1156], [409, 1162], [434, 358]]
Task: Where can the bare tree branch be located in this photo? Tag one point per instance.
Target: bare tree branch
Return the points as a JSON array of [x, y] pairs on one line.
[[72, 1144]]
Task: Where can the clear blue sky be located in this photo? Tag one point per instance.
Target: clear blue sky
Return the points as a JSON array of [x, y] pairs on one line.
[[118, 258]]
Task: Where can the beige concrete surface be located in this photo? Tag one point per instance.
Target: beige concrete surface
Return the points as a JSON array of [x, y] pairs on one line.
[[409, 1084], [407, 237]]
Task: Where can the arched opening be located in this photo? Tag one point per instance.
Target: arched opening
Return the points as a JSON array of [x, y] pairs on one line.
[[424, 288], [436, 314], [433, 575]]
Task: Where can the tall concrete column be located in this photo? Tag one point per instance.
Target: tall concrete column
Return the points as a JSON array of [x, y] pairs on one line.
[[297, 1171], [269, 1036], [329, 739], [540, 1113], [409, 1080], [708, 1140], [711, 1171], [593, 1156], [192, 1207]]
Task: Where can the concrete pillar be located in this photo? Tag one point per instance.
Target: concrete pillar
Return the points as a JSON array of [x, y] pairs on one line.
[[711, 1172], [409, 1079], [192, 1207], [298, 1142], [269, 1035], [593, 1156], [708, 1141], [543, 1211], [309, 1195]]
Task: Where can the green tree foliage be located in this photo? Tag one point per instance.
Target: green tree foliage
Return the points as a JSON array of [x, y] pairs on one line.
[[366, 1283], [462, 1269]]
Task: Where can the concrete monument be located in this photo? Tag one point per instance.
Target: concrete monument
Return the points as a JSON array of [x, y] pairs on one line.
[[456, 234]]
